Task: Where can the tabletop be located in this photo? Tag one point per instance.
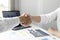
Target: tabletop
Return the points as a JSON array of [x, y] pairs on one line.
[[33, 33]]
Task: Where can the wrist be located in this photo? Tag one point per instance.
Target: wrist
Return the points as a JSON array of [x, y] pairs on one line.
[[35, 18], [32, 18]]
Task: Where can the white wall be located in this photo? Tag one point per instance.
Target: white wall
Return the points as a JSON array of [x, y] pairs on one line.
[[50, 5], [17, 5], [12, 4], [4, 6], [40, 7], [36, 7], [29, 6]]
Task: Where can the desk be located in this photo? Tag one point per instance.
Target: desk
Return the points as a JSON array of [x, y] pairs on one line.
[[24, 34]]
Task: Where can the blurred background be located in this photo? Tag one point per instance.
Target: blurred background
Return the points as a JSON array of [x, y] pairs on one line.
[[34, 7]]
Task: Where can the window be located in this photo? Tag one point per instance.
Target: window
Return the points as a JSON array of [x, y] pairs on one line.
[[4, 5]]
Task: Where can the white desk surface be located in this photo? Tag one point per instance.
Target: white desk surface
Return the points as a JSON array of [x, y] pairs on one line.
[[24, 35]]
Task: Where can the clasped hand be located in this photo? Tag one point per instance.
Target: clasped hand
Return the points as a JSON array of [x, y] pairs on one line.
[[25, 20]]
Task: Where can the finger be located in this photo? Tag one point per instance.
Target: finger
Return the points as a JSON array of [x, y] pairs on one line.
[[26, 14], [23, 14], [24, 25]]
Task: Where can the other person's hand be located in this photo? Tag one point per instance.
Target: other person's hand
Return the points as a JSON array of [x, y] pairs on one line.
[[52, 30]]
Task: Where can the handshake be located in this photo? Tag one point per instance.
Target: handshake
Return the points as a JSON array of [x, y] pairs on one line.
[[25, 19]]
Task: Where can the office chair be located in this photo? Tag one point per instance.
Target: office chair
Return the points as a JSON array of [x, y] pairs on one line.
[[13, 13]]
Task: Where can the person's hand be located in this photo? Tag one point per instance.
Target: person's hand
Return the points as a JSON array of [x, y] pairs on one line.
[[25, 19], [51, 30]]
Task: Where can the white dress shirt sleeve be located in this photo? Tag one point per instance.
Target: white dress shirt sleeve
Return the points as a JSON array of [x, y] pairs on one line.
[[47, 18], [58, 20]]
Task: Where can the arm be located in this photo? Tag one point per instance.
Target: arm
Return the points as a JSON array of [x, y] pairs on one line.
[[45, 18], [42, 19], [36, 18], [54, 32]]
